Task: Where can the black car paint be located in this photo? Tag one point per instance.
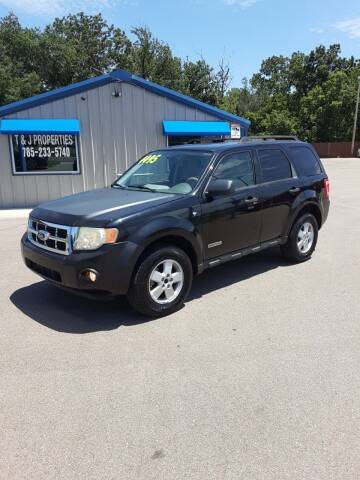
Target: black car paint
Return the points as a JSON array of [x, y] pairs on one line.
[[99, 207], [232, 221], [246, 221]]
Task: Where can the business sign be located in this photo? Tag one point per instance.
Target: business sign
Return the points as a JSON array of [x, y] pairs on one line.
[[44, 153], [235, 131]]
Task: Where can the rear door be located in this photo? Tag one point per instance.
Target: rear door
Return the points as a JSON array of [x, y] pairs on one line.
[[308, 166], [279, 189], [232, 222]]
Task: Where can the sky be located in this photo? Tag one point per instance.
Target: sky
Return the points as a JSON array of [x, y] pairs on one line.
[[243, 32]]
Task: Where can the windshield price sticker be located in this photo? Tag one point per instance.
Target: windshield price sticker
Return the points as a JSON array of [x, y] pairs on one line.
[[150, 159]]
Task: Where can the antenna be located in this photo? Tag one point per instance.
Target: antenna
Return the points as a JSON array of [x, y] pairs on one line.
[[115, 93]]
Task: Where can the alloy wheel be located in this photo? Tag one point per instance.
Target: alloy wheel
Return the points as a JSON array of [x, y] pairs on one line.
[[305, 238], [166, 281]]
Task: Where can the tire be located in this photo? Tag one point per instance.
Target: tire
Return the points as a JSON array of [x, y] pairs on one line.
[[158, 290], [302, 239]]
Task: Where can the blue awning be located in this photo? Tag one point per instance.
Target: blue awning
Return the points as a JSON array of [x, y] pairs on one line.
[[18, 126], [187, 128]]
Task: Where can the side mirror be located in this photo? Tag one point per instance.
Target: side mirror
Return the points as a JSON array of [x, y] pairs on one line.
[[217, 188]]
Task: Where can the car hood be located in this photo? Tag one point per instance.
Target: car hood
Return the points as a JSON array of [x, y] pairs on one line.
[[99, 207]]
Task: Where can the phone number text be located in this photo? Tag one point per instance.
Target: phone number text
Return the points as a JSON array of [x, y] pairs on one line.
[[46, 152]]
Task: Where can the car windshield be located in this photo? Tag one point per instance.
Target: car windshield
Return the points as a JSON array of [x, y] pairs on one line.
[[166, 171]]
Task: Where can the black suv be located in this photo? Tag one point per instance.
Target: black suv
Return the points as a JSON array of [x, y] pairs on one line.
[[176, 212]]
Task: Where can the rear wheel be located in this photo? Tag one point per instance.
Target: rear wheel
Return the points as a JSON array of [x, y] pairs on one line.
[[302, 239], [161, 282]]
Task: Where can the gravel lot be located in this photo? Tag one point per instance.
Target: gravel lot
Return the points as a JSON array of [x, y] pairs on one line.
[[256, 378]]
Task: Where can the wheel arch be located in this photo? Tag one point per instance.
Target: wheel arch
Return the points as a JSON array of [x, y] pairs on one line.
[[308, 207], [173, 237]]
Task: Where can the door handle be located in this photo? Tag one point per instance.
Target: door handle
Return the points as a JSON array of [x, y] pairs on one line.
[[251, 200], [294, 190]]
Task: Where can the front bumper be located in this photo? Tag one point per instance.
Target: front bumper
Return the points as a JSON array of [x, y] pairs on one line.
[[114, 264]]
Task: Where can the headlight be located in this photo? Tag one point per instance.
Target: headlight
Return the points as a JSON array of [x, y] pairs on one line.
[[93, 238]]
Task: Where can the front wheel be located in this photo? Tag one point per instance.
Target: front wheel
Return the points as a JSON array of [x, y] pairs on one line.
[[161, 282], [302, 239]]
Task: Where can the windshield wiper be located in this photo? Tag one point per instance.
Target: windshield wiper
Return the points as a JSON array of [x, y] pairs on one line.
[[143, 187], [134, 187], [243, 181]]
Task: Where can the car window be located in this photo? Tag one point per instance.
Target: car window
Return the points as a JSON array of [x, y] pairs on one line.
[[274, 165], [166, 171], [237, 167], [305, 162]]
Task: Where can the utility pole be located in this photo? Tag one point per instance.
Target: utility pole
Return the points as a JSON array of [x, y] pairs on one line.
[[355, 119]]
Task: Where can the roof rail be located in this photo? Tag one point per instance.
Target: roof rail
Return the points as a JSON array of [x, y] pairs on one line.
[[267, 138]]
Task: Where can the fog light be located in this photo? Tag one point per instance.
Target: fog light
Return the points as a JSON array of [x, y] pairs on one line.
[[90, 275]]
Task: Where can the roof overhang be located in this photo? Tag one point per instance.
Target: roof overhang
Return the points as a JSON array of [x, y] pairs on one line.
[[122, 76], [188, 101], [20, 126]]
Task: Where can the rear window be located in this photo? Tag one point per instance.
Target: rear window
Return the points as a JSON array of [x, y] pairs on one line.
[[274, 165], [305, 162]]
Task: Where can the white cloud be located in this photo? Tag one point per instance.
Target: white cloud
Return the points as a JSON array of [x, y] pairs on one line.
[[350, 27], [240, 3], [318, 30], [58, 7]]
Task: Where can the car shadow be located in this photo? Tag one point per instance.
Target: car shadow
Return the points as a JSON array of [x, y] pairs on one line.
[[68, 313], [64, 312], [236, 271]]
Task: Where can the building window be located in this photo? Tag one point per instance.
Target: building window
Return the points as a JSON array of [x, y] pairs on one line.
[[44, 154], [174, 140]]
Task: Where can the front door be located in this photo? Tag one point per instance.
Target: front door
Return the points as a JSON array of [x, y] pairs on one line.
[[232, 222]]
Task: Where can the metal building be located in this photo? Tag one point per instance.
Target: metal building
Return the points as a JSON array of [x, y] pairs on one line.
[[80, 137]]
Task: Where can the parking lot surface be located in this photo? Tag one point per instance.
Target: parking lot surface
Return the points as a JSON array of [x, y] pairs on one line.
[[257, 377]]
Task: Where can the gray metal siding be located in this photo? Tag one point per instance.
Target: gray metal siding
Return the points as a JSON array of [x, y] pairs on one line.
[[114, 133]]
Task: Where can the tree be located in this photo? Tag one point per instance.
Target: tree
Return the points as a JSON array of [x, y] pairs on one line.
[[241, 101], [223, 79], [307, 71], [325, 112], [153, 59], [273, 76], [80, 46], [144, 52], [19, 58], [273, 118], [200, 82], [311, 95]]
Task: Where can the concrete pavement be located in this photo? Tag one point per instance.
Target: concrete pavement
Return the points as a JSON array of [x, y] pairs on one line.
[[256, 378]]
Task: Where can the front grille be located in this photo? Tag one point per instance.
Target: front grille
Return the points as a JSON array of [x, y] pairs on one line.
[[44, 271], [50, 236]]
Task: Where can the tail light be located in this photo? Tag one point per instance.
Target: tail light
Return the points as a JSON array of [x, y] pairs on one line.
[[327, 187]]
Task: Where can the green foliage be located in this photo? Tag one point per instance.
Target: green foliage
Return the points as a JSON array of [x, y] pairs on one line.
[[241, 101], [326, 111], [19, 55], [310, 95], [77, 47], [80, 46], [152, 59], [200, 82]]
